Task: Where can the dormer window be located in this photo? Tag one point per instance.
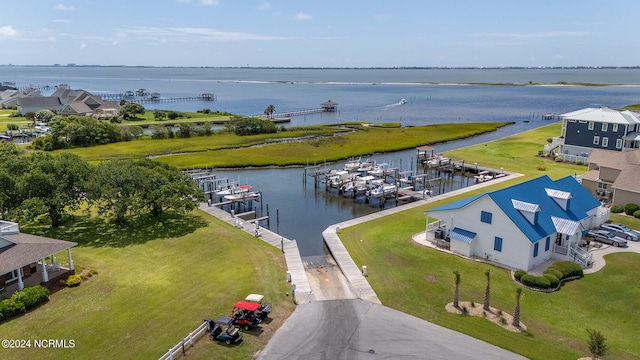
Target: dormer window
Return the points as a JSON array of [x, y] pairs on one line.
[[528, 210], [560, 197]]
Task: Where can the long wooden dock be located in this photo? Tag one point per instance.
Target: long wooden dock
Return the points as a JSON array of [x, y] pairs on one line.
[[158, 99]]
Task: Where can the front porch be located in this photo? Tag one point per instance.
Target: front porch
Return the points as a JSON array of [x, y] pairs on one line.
[[34, 277]]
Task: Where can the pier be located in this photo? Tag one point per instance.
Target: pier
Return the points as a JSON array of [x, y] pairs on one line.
[[327, 106], [155, 98]]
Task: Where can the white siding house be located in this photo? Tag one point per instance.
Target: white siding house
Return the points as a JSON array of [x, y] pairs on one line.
[[522, 226]]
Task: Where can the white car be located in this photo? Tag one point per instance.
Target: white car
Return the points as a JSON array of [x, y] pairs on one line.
[[42, 128], [621, 230]]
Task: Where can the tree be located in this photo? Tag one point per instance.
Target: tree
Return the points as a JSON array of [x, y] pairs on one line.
[[52, 185], [165, 187], [597, 345], [44, 116], [270, 110], [130, 109], [456, 292], [487, 291], [516, 312], [114, 189]]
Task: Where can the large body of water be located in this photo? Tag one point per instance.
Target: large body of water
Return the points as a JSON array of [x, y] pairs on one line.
[[372, 95]]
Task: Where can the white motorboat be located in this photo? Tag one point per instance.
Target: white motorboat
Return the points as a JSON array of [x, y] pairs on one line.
[[382, 190], [242, 196], [403, 101], [234, 190], [352, 165]]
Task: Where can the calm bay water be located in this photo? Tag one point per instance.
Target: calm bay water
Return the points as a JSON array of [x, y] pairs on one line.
[[433, 96]]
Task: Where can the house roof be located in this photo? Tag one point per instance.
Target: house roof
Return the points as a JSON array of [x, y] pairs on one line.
[[24, 249], [603, 114], [628, 162], [462, 235], [41, 101], [534, 191]]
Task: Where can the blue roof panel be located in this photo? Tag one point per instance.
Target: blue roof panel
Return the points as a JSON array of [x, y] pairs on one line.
[[462, 234]]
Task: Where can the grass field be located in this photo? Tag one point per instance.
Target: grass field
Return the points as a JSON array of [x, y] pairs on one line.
[[156, 282], [419, 281]]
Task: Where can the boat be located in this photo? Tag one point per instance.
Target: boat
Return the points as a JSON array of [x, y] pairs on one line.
[[353, 165], [234, 190], [382, 190], [242, 196], [403, 101], [379, 170]]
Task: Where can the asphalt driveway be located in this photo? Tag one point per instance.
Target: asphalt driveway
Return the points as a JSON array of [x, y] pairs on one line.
[[358, 329]]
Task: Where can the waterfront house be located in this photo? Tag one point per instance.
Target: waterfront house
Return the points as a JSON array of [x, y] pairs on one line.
[[612, 176], [596, 128], [522, 226], [67, 102], [27, 260]]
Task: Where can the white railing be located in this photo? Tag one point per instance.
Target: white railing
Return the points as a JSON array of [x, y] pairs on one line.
[[573, 158], [580, 256], [431, 227], [562, 250], [8, 227], [188, 341]]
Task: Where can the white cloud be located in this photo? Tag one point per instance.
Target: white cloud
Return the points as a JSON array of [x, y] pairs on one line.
[[210, 2], [8, 31], [302, 16], [83, 45], [264, 6], [189, 34], [540, 35], [61, 21], [64, 7]]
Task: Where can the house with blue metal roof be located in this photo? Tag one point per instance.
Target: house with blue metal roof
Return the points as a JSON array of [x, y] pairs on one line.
[[521, 226]]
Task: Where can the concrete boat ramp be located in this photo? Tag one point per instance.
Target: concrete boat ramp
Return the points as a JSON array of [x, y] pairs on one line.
[[339, 315]]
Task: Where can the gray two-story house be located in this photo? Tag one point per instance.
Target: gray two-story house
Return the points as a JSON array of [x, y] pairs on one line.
[[597, 128]]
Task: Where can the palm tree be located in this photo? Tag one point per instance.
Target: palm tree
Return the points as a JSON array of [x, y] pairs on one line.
[[270, 110], [487, 291], [456, 292], [516, 312]]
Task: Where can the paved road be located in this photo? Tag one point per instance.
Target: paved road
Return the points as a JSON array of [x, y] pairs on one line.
[[359, 329]]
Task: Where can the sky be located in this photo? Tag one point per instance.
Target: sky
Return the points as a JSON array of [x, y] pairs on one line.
[[328, 33]]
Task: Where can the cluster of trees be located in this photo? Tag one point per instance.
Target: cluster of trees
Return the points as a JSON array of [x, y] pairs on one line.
[[82, 131], [242, 126], [33, 185]]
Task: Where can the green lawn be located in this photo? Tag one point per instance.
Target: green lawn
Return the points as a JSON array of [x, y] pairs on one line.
[[155, 284], [419, 281]]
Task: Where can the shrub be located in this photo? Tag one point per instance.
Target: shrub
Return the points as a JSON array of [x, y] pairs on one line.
[[540, 282], [11, 307], [553, 280], [33, 296], [558, 159], [636, 214], [616, 209], [579, 162], [567, 268], [555, 272], [13, 127], [541, 168], [518, 274], [72, 280], [22, 301], [629, 209]]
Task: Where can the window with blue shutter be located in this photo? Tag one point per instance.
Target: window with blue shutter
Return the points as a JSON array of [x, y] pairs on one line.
[[485, 217], [497, 244], [535, 249], [547, 243]]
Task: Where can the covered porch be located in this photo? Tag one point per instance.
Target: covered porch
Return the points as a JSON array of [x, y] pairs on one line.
[[27, 260]]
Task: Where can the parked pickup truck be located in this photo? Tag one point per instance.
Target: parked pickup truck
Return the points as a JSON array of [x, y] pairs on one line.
[[606, 237]]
